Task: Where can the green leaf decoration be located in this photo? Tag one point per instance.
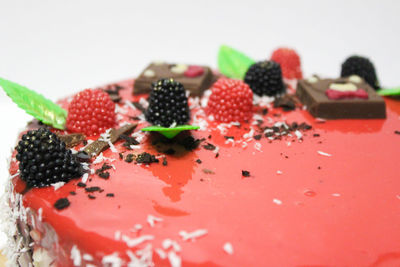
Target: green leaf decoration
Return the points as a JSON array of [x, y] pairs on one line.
[[389, 91], [170, 132], [232, 63], [35, 104]]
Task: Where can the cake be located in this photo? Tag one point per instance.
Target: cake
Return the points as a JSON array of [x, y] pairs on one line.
[[271, 184]]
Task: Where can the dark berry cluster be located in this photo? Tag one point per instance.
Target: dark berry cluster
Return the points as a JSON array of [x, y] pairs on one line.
[[44, 159], [265, 78], [168, 104], [361, 66]]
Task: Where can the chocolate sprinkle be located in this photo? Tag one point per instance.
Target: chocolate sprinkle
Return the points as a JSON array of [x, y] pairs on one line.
[[129, 158], [146, 158], [80, 184], [208, 171], [99, 145], [72, 193], [316, 135], [62, 203], [198, 161], [209, 146], [257, 137], [71, 140], [104, 175], [139, 106], [245, 173], [110, 195], [91, 197], [92, 189]]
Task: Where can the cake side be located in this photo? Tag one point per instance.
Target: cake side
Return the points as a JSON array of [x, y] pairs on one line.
[[248, 194]]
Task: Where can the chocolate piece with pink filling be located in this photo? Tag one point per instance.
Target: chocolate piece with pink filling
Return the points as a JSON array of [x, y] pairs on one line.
[[194, 78], [342, 98]]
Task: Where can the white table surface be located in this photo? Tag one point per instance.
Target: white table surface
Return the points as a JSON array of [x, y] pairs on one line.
[[58, 48]]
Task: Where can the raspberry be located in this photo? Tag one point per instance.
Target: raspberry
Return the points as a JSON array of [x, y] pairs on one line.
[[168, 104], [361, 66], [289, 61], [44, 159], [91, 112], [230, 100], [265, 78]]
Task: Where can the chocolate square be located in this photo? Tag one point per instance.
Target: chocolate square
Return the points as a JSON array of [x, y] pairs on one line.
[[155, 71], [312, 93]]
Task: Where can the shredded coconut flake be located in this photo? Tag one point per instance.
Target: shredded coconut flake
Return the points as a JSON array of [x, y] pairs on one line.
[[192, 235], [228, 248], [117, 235], [58, 185], [168, 243], [277, 201], [298, 134], [76, 256], [336, 194], [87, 257], [133, 242], [279, 172], [174, 259], [324, 153], [161, 253], [112, 260], [151, 220]]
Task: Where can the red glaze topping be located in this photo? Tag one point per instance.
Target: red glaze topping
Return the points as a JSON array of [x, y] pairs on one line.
[[335, 94], [194, 71], [330, 197]]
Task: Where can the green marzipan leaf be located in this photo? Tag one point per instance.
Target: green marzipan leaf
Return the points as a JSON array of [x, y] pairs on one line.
[[35, 104], [232, 63], [389, 91], [170, 132]]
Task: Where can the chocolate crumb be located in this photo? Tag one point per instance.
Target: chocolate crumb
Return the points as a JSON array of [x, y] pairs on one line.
[[198, 161], [285, 102], [316, 135], [72, 193], [305, 126], [92, 189], [121, 156], [397, 132], [257, 136], [80, 184], [264, 111], [62, 203], [91, 197], [319, 167], [229, 137], [110, 195], [209, 137], [209, 146], [104, 175], [129, 158], [217, 155], [245, 173], [164, 163], [103, 168], [134, 118], [129, 141], [208, 171], [146, 158], [139, 106]]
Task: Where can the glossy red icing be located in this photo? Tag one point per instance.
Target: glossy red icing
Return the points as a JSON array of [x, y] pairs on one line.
[[338, 210]]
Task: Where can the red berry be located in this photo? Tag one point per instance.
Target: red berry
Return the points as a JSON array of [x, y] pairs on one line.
[[91, 112], [289, 61], [230, 100]]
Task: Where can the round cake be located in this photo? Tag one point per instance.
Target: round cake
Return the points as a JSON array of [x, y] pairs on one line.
[[302, 174]]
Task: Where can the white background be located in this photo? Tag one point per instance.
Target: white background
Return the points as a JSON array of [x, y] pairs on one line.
[[58, 48]]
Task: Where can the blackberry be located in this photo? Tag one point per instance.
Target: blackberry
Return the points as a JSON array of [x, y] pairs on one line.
[[361, 66], [265, 78], [168, 104], [44, 159]]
